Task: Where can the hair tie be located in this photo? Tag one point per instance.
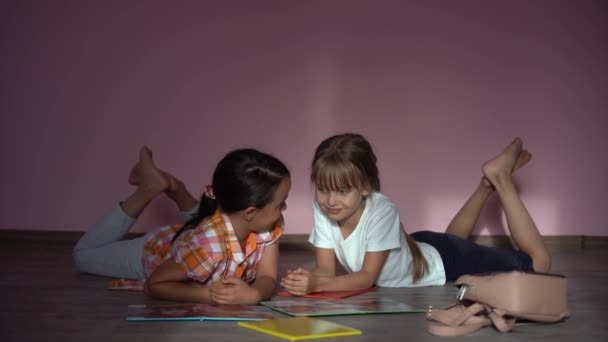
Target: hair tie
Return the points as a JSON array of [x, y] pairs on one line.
[[208, 191]]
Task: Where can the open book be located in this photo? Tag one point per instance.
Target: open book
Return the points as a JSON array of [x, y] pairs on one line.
[[197, 312], [327, 295], [349, 306]]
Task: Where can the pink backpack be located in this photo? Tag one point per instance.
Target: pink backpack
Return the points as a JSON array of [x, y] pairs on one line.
[[501, 299]]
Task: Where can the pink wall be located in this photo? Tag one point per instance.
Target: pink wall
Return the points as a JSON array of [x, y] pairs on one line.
[[437, 86]]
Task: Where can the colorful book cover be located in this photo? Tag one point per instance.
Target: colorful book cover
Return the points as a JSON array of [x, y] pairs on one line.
[[125, 285], [300, 328], [197, 312], [327, 295], [348, 306]]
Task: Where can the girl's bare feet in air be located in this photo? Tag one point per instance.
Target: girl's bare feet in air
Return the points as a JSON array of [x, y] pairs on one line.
[[498, 170], [146, 176], [522, 159], [175, 188]]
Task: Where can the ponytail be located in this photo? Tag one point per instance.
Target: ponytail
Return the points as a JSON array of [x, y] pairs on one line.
[[206, 207], [418, 266]]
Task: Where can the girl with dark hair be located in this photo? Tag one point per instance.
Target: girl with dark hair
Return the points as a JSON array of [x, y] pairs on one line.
[[360, 227], [227, 248]]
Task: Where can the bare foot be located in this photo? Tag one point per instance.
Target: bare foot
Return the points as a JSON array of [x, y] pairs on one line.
[[174, 184], [146, 176], [524, 157], [501, 167]]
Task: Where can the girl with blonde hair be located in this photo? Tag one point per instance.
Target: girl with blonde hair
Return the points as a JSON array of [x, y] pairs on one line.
[[361, 228]]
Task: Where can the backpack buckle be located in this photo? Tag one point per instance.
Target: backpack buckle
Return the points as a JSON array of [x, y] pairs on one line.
[[461, 291]]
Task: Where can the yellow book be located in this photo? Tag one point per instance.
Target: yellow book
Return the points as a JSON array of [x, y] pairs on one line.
[[300, 328]]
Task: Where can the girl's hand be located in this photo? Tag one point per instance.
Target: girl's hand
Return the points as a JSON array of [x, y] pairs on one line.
[[299, 282], [233, 291]]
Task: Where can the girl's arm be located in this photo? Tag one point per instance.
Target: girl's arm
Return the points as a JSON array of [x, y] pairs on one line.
[[301, 282], [236, 291], [266, 274], [167, 282], [326, 262], [363, 279]]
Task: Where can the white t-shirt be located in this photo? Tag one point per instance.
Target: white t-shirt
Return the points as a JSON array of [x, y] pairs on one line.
[[379, 229]]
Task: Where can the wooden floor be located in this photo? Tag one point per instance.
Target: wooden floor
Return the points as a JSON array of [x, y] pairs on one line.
[[45, 299]]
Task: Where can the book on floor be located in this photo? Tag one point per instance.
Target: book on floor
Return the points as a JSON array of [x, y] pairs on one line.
[[125, 285], [327, 295], [197, 312], [349, 306], [300, 328]]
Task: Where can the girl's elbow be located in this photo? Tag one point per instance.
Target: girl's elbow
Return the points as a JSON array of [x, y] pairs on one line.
[[147, 287], [264, 289], [152, 289], [369, 281], [367, 285], [266, 295]]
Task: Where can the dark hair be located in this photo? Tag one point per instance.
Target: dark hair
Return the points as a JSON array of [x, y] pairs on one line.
[[243, 178], [345, 160]]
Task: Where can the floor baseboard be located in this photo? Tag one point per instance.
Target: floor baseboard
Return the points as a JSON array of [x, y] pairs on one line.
[[559, 243]]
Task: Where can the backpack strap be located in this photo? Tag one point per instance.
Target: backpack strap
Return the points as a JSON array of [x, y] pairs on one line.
[[501, 323], [456, 320], [459, 319]]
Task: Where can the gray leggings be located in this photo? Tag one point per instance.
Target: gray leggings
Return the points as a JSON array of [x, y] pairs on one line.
[[101, 250]]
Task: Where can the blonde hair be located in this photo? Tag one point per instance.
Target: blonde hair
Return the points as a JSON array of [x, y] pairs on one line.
[[347, 161]]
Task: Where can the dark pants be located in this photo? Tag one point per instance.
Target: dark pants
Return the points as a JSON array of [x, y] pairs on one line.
[[461, 256]]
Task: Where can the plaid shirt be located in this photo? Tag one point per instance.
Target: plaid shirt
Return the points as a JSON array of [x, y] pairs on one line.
[[209, 252]]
